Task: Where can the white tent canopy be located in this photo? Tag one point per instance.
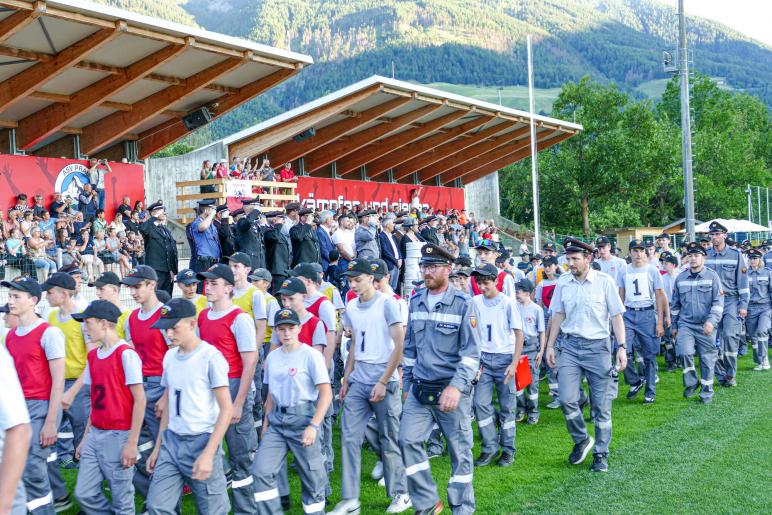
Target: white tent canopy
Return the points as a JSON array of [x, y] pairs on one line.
[[733, 226]]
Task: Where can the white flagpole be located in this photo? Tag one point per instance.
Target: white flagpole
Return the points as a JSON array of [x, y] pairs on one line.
[[534, 150]]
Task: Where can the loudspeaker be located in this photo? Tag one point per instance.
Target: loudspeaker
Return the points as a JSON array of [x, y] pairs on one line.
[[309, 133], [198, 118]]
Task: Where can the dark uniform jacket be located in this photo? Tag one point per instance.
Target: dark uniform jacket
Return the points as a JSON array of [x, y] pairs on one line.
[[429, 234], [160, 247], [305, 245], [250, 239], [227, 238], [277, 251]]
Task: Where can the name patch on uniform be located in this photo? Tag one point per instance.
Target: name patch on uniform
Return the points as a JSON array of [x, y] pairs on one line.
[[443, 325]]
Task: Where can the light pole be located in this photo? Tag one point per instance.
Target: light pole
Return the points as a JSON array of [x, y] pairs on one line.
[[686, 125], [534, 170]]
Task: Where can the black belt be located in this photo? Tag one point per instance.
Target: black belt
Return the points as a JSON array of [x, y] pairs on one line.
[[298, 409], [641, 309], [151, 379]]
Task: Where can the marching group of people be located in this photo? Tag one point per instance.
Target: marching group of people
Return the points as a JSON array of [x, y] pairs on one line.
[[279, 336]]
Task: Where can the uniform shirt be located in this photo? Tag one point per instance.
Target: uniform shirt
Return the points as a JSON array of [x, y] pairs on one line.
[[327, 312], [731, 268], [132, 365], [533, 319], [142, 315], [207, 242], [442, 343], [371, 322], [612, 266], [497, 319], [292, 377], [190, 379], [640, 285], [668, 283], [271, 307], [333, 294], [697, 298], [587, 305], [52, 340], [760, 282], [13, 408], [768, 259]]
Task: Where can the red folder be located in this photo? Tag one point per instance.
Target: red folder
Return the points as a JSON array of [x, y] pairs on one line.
[[523, 373]]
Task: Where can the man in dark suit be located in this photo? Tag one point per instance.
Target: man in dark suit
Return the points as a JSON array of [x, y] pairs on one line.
[[160, 247], [222, 221], [390, 250], [277, 249], [324, 235], [305, 245], [429, 230], [249, 234]]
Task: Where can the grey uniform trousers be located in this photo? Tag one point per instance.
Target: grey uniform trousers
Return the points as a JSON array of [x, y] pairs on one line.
[[357, 411], [417, 422], [242, 444], [100, 460], [730, 328], [690, 339], [40, 499], [577, 357], [528, 398], [492, 375], [71, 429], [643, 345], [174, 469], [148, 435], [758, 324], [284, 434]]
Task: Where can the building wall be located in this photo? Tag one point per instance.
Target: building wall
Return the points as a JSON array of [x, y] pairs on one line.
[[482, 196]]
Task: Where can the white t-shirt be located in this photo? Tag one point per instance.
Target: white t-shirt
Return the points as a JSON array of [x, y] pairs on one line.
[[327, 313], [190, 379], [497, 319], [640, 285], [345, 237], [292, 377], [132, 365], [13, 408], [532, 316]]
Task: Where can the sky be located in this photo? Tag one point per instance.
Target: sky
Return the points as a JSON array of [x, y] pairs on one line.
[[751, 17]]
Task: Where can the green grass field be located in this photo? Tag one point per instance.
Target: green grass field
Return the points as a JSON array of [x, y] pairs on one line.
[[675, 456]]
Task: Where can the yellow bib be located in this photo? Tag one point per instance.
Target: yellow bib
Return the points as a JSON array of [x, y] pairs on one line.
[[268, 330], [200, 304], [245, 301], [120, 326], [75, 351]]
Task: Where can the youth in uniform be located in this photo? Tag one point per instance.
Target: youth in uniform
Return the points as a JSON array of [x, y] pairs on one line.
[[108, 287], [532, 316], [370, 387], [188, 283], [299, 396], [584, 303], [108, 452], [640, 287], [505, 283], [669, 264], [545, 287], [197, 412], [696, 309], [441, 359], [759, 309], [231, 331], [38, 354], [501, 342]]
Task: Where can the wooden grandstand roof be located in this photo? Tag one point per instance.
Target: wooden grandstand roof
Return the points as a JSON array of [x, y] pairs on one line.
[[384, 129], [107, 75]]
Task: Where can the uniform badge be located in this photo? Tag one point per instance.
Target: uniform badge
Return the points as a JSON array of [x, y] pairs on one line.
[[473, 322], [165, 310], [350, 265], [744, 270], [292, 371], [285, 283], [429, 250]]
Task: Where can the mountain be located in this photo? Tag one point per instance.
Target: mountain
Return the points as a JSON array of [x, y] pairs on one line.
[[476, 43]]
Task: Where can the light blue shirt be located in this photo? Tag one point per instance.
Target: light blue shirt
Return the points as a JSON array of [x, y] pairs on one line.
[[588, 305]]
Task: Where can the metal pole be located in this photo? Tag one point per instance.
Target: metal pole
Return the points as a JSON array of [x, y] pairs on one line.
[[534, 170], [749, 192], [758, 200], [767, 206], [686, 125]]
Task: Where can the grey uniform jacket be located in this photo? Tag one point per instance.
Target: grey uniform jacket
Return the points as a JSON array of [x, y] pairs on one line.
[[760, 283], [697, 298], [442, 344], [733, 271], [366, 242]]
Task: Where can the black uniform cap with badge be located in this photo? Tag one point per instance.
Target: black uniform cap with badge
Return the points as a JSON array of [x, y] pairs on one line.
[[173, 311], [260, 274], [100, 309], [636, 244], [717, 227], [292, 286], [486, 272], [59, 280], [432, 254], [187, 277], [218, 271], [601, 241], [285, 316], [695, 248], [25, 284], [106, 278], [574, 246], [755, 254], [524, 285], [360, 266]]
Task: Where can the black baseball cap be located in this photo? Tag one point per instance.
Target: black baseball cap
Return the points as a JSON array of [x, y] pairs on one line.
[[360, 266], [463, 271], [670, 259], [292, 286], [307, 270], [549, 260], [524, 285], [174, 311], [100, 309], [486, 246], [695, 248], [218, 271], [241, 257], [163, 296], [486, 270], [381, 269], [60, 280], [601, 241], [636, 244], [25, 284], [285, 316], [187, 277], [106, 278], [139, 274]]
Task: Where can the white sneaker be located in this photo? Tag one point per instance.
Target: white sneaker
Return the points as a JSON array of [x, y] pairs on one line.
[[766, 364], [400, 503], [377, 472], [382, 482], [346, 507], [759, 367]]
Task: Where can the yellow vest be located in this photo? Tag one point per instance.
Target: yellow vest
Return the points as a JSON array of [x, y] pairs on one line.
[[200, 304], [245, 301], [120, 326], [75, 351], [329, 292]]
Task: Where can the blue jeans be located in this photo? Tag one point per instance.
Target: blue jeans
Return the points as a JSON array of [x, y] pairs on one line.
[[101, 198], [45, 264]]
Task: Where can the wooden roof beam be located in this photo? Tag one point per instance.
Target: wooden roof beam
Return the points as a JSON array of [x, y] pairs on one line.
[[334, 151], [382, 165], [20, 19], [485, 158], [351, 163], [291, 150], [110, 128], [469, 153], [25, 82], [158, 137], [43, 123], [478, 173]]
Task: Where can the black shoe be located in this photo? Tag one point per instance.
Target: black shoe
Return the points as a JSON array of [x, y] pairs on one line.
[[689, 391], [63, 503], [649, 399], [671, 367], [286, 503], [729, 382], [520, 416], [634, 389], [581, 450], [483, 460], [506, 460], [599, 463]]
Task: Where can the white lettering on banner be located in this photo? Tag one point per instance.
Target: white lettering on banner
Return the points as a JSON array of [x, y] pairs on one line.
[[333, 204], [238, 188]]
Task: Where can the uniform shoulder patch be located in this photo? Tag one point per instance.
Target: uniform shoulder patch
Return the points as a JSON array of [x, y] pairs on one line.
[[473, 322]]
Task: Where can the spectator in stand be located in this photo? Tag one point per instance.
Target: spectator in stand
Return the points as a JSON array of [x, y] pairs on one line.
[[37, 252], [343, 239], [265, 172], [46, 223], [124, 210], [21, 203], [99, 224], [390, 250], [286, 174], [113, 246], [90, 260], [415, 199], [207, 173], [38, 208], [79, 224], [133, 223], [9, 224], [17, 254], [221, 170], [26, 224], [71, 254], [117, 224], [96, 176], [87, 203], [139, 207]]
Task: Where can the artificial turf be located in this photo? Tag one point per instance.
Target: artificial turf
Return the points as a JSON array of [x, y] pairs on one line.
[[674, 456]]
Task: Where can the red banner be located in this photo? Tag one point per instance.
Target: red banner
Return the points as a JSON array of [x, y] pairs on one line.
[[332, 193], [44, 176]]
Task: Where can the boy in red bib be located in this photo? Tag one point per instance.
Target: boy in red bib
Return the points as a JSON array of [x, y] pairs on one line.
[[505, 283], [108, 451]]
